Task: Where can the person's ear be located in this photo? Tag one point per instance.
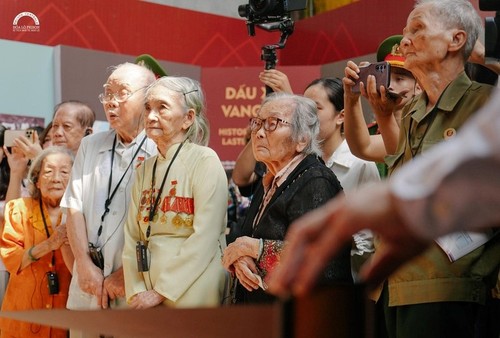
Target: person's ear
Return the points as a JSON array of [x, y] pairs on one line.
[[189, 119], [88, 131], [301, 145], [458, 41], [340, 117]]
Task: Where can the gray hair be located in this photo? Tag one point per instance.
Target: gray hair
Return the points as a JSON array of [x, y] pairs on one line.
[[85, 115], [36, 167], [145, 76], [458, 14], [304, 121], [193, 98]]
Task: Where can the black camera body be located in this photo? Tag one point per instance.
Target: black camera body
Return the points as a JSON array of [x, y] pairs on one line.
[[491, 28], [53, 283], [261, 11], [274, 12], [96, 256], [141, 252]]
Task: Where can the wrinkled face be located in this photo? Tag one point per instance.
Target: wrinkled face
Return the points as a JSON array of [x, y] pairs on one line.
[[275, 148], [66, 130], [126, 83], [167, 119], [327, 114], [425, 41], [53, 177]]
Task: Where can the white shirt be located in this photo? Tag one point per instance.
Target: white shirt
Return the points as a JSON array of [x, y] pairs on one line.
[[350, 170], [87, 192]]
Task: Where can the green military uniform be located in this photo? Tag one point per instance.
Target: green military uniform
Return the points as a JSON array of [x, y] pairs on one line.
[[431, 280]]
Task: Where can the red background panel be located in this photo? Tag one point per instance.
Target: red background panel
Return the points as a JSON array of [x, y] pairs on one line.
[[135, 27], [234, 95]]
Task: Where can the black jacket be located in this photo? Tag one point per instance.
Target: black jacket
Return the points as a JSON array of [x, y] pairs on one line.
[[310, 185]]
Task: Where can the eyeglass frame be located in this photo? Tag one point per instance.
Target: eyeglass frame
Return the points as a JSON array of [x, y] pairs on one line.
[[129, 95], [264, 123]]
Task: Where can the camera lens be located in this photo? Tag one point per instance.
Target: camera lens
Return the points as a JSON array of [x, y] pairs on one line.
[[243, 10], [263, 7]]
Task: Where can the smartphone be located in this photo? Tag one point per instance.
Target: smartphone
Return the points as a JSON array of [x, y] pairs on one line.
[[381, 71], [11, 135]]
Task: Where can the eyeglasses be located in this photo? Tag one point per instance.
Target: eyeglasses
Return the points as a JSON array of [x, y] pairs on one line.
[[118, 97], [270, 123]]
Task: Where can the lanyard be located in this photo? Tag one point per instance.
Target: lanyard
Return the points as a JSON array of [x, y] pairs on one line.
[[153, 207], [110, 197], [47, 232]]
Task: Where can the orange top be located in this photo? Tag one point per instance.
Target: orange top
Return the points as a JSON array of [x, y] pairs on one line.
[[28, 288]]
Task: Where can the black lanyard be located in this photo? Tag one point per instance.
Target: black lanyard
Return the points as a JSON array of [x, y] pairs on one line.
[[153, 207], [110, 197], [47, 232]]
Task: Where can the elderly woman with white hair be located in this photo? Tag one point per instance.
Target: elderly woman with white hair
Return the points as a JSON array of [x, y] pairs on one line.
[[175, 231], [285, 138], [35, 248]]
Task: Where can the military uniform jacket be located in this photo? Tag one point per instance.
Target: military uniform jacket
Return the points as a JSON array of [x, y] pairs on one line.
[[431, 277]]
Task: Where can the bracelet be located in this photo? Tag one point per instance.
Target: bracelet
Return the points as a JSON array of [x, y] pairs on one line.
[[30, 255]]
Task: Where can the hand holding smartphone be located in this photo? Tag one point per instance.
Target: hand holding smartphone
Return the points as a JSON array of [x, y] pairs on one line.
[[381, 71]]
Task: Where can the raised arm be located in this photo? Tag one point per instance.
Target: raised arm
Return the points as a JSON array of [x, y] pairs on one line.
[[18, 164], [362, 144]]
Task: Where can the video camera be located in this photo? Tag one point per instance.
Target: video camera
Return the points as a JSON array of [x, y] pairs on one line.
[[261, 12], [491, 29], [271, 15]]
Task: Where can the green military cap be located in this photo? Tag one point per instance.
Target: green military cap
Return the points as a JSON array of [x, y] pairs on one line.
[[151, 63], [389, 51]]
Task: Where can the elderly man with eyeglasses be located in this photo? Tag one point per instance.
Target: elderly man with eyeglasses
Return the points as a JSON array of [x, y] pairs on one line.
[[285, 138], [99, 191]]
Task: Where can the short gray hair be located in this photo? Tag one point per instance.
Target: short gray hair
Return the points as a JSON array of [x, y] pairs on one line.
[[143, 75], [36, 167], [193, 98], [458, 14], [304, 121]]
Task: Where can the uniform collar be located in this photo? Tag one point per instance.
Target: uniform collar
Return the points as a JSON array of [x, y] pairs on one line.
[[447, 101]]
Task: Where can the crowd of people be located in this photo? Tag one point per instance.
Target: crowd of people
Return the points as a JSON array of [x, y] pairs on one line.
[[136, 217]]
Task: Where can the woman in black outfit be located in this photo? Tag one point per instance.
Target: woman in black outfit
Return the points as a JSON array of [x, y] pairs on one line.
[[285, 139]]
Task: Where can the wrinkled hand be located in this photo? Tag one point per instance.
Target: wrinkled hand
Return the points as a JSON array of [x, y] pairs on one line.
[[241, 247], [114, 287], [245, 270], [90, 278], [278, 81], [58, 237], [28, 148], [146, 299]]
